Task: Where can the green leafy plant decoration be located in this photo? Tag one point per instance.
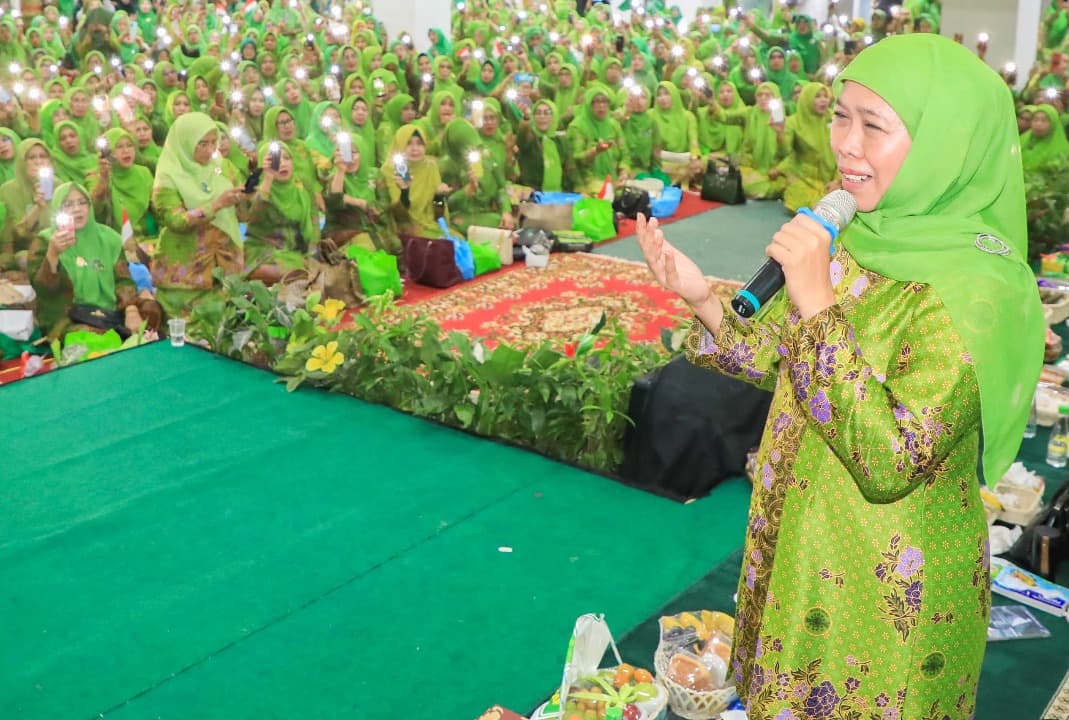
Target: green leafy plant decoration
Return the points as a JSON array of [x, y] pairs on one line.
[[1047, 190]]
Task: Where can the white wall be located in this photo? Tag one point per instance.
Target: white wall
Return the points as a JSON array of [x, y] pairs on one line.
[[998, 18], [414, 16]]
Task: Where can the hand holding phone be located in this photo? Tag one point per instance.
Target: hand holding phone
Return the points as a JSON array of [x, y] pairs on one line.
[[253, 181]]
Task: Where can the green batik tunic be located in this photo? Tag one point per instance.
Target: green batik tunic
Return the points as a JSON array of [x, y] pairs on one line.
[[864, 588]]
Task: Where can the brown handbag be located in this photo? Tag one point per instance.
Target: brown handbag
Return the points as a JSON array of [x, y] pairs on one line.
[[557, 216], [431, 261]]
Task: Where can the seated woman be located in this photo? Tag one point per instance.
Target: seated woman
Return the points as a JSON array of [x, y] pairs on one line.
[[432, 127], [764, 144], [480, 193], [597, 143], [9, 141], [1045, 144], [83, 282], [282, 228], [72, 160], [715, 136], [677, 150], [356, 117], [640, 129], [27, 199], [412, 180], [809, 167], [194, 203], [540, 152], [148, 152], [355, 209], [118, 185], [280, 125], [400, 111]]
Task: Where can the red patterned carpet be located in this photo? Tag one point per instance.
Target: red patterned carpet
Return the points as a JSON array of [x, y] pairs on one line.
[[523, 306]]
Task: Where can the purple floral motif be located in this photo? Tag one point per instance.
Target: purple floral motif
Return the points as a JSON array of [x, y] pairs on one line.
[[902, 412], [759, 523], [911, 560], [891, 713], [777, 645], [882, 700], [820, 408], [751, 576], [881, 572], [758, 557], [852, 684], [902, 696], [800, 690], [775, 456], [966, 358], [786, 714], [781, 423], [767, 476], [822, 700], [782, 350], [783, 679], [826, 359], [836, 272], [708, 346], [859, 286], [800, 375], [880, 377], [913, 595], [737, 359]]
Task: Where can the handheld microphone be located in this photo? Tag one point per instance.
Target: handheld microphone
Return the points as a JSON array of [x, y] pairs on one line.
[[834, 212]]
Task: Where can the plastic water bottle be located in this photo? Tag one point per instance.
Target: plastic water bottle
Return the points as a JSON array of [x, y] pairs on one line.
[[1030, 426], [1058, 447]]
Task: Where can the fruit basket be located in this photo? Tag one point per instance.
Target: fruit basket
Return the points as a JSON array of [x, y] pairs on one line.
[[682, 635], [687, 703]]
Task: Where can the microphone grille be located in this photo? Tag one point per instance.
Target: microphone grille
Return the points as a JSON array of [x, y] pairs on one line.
[[838, 207]]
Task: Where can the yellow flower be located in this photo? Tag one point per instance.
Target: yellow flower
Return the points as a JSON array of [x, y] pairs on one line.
[[325, 358], [329, 310]]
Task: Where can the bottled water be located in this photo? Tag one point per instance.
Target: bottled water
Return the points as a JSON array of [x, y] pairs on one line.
[[1058, 447]]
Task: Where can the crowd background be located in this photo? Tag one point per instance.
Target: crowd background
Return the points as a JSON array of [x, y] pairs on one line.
[[129, 133]]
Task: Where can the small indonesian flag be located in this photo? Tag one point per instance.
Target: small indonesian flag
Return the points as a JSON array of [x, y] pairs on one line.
[[127, 233], [607, 192]]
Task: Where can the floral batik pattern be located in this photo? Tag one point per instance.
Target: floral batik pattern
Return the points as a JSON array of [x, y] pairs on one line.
[[865, 562]]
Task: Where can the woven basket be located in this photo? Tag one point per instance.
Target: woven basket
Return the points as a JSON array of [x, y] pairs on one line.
[[687, 703], [1055, 305]]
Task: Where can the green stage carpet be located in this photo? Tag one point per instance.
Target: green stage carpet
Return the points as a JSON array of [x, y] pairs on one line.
[[182, 539]]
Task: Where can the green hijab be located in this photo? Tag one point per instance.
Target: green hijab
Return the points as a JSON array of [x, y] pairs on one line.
[[73, 168], [303, 166], [960, 187], [366, 132], [805, 45], [17, 194], [784, 78], [301, 111], [292, 200], [672, 124], [483, 88], [459, 138], [198, 185], [1050, 150], [760, 137], [235, 155], [7, 167], [90, 261], [812, 129], [319, 138], [552, 167], [131, 188]]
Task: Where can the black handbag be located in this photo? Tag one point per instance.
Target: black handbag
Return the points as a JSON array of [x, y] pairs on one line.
[[723, 183], [431, 261], [630, 201], [99, 318], [1044, 544]]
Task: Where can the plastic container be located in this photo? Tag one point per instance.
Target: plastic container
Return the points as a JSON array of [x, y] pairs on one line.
[[1028, 504], [1058, 446]]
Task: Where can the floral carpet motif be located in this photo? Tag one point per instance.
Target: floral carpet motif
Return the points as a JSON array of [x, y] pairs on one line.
[[523, 306]]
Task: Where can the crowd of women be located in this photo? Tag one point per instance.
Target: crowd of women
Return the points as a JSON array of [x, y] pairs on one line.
[[241, 139]]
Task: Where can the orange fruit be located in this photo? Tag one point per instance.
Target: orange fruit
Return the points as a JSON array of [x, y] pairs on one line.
[[642, 675]]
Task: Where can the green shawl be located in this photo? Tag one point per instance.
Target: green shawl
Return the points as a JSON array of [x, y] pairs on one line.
[[90, 261], [7, 167], [17, 193], [239, 161], [1050, 150], [365, 133], [960, 183], [301, 111], [481, 88], [198, 185], [812, 144], [805, 45], [784, 78], [131, 188], [320, 139], [88, 125], [761, 144], [292, 200], [552, 167], [715, 135], [459, 138], [588, 126], [640, 130], [303, 165], [424, 185], [675, 124], [73, 168]]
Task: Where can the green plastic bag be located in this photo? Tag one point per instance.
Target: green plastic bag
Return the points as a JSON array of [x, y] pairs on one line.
[[378, 270], [593, 218], [487, 258]]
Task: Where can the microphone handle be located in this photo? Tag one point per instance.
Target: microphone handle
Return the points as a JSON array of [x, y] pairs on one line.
[[765, 283]]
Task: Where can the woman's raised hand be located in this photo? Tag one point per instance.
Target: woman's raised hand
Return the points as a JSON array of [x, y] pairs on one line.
[[671, 268]]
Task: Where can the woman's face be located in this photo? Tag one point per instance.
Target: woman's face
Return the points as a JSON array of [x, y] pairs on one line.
[[60, 115], [1024, 121], [795, 65], [726, 96], [201, 89], [357, 87], [775, 61], [613, 74], [142, 133], [349, 61], [270, 43], [487, 73], [763, 96], [564, 78], [870, 143], [181, 105], [821, 102], [293, 93], [508, 65], [202, 153], [490, 122], [408, 113], [55, 91], [36, 158], [77, 206], [79, 104], [268, 66], [170, 77], [124, 152], [285, 126], [415, 149], [600, 106], [444, 71], [248, 52], [424, 65], [359, 113], [446, 111], [285, 168], [69, 142], [376, 63], [257, 104], [7, 148], [664, 99], [250, 76], [803, 26], [1040, 125], [543, 118], [150, 90], [332, 118]]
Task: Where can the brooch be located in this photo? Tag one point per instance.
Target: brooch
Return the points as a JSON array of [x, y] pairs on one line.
[[991, 244]]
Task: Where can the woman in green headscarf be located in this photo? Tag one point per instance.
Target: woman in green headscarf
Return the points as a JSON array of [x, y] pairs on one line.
[[80, 106], [480, 192], [677, 150], [292, 98], [26, 199], [439, 43], [487, 81], [71, 158], [399, 111], [715, 135], [776, 71], [633, 112], [178, 104], [119, 184], [763, 146], [1045, 143], [540, 155], [235, 161], [279, 124], [805, 43], [148, 152], [326, 122], [567, 94], [809, 167], [597, 143], [445, 79], [356, 115], [746, 76], [9, 143], [282, 228], [194, 204], [1055, 25], [411, 179], [443, 110], [355, 208], [85, 268], [899, 387]]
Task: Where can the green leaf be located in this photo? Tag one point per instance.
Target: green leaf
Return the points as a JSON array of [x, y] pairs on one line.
[[599, 324], [465, 413]]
